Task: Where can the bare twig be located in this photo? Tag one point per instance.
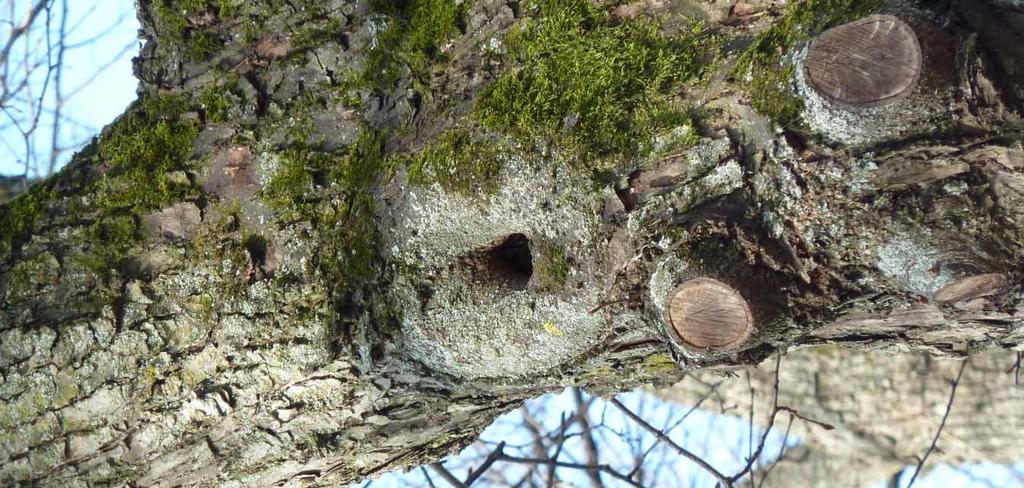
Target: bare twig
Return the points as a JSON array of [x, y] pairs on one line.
[[21, 29], [750, 420], [1015, 369], [768, 428], [725, 482], [800, 416], [491, 458], [33, 79], [585, 467], [58, 96], [588, 438], [552, 475], [935, 440], [426, 474], [447, 475], [782, 451]]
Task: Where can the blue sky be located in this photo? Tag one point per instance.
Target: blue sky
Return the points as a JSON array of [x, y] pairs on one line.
[[103, 79], [720, 440]]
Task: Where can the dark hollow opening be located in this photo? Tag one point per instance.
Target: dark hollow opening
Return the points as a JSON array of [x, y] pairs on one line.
[[507, 262], [257, 248]]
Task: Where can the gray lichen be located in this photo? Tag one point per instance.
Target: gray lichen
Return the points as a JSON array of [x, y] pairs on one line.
[[454, 323], [859, 126], [912, 262]]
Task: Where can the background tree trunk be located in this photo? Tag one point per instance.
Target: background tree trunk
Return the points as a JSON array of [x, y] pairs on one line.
[[253, 278], [885, 410]]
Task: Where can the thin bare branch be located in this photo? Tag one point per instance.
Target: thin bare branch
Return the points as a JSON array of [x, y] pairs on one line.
[[426, 474], [768, 428], [782, 451], [447, 475], [722, 479], [21, 29], [589, 448], [945, 416], [585, 467], [552, 475], [475, 474]]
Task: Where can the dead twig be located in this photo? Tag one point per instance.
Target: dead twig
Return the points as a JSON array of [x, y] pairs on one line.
[[722, 479], [945, 416]]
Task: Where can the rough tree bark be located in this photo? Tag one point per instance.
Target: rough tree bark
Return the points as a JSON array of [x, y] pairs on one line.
[[252, 279]]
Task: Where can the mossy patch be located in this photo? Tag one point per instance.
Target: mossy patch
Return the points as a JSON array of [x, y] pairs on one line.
[[346, 221], [411, 33], [112, 237], [18, 216], [457, 161], [431, 23], [142, 149], [224, 100], [550, 266], [215, 100], [658, 364], [177, 25], [762, 66], [293, 180], [30, 275], [589, 87], [316, 35], [141, 161]]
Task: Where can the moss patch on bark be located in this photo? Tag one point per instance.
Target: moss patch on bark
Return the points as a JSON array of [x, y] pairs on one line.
[[762, 66], [589, 87]]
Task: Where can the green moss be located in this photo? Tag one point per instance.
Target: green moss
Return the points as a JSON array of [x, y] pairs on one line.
[[172, 17], [201, 45], [18, 216], [431, 23], [761, 66], [411, 35], [589, 87], [550, 266], [598, 374], [772, 95], [346, 87], [356, 234], [173, 25], [22, 410], [676, 140], [215, 100], [384, 65], [348, 233], [29, 275], [457, 162], [236, 264], [142, 149], [202, 306], [144, 154], [227, 8], [110, 238], [67, 389], [657, 364], [316, 35], [302, 168], [293, 179]]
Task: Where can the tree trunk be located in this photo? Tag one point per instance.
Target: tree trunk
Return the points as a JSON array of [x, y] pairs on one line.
[[883, 410], [337, 238]]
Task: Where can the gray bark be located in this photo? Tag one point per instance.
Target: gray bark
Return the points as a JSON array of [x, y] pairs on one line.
[[170, 322]]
